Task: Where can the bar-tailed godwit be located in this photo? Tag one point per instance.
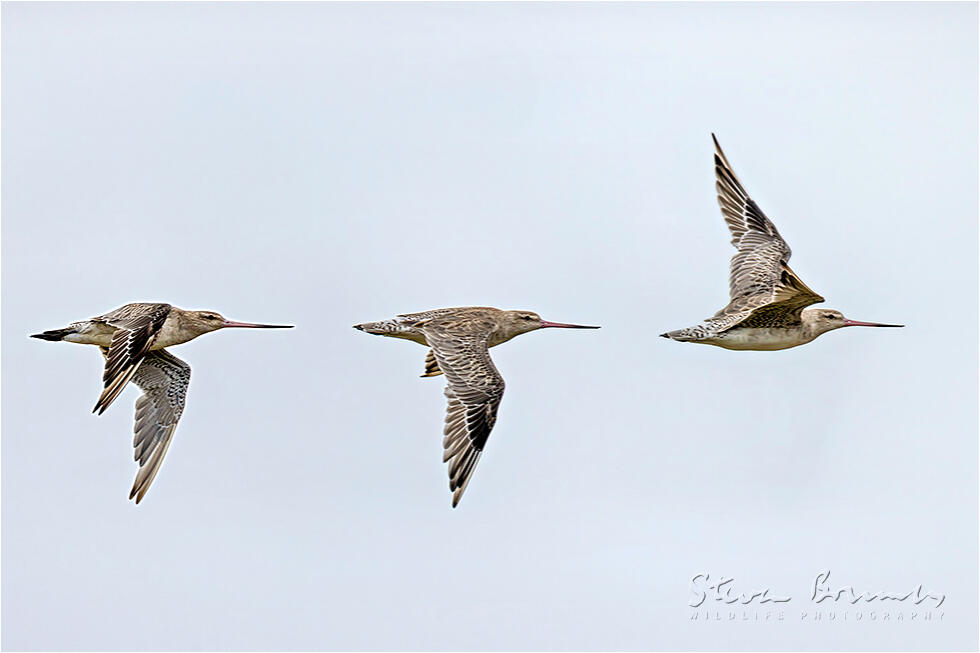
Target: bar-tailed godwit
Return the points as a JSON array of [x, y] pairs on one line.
[[459, 340], [133, 339], [767, 297]]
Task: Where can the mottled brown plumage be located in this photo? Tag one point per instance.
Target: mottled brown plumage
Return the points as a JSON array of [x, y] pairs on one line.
[[767, 297], [133, 339], [460, 339]]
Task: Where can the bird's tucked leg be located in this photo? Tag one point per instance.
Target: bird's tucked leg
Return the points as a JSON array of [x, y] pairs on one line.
[[431, 365]]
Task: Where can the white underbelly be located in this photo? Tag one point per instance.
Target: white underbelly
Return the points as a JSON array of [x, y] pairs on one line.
[[100, 333], [758, 339], [91, 333]]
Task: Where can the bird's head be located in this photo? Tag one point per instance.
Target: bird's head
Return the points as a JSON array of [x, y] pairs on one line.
[[822, 320], [201, 322], [517, 322]]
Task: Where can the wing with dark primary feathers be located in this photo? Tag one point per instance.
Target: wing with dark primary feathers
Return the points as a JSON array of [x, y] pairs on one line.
[[137, 325], [474, 389], [764, 291]]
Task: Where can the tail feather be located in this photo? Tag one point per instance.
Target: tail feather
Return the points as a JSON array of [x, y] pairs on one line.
[[53, 335], [383, 328], [685, 335], [395, 328]]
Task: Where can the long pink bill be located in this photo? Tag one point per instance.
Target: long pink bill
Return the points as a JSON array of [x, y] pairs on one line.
[[559, 325], [874, 324], [249, 325]]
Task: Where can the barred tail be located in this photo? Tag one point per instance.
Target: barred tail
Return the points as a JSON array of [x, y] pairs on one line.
[[684, 335], [383, 328]]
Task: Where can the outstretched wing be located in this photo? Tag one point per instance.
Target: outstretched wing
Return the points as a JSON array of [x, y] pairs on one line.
[[136, 327], [762, 286], [474, 389], [163, 378]]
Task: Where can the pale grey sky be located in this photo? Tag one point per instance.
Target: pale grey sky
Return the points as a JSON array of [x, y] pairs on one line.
[[327, 164]]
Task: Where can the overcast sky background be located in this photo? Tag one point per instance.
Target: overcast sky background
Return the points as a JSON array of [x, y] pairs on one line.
[[328, 164]]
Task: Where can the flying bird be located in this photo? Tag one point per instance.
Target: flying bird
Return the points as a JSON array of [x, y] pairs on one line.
[[133, 340], [459, 340], [767, 298]]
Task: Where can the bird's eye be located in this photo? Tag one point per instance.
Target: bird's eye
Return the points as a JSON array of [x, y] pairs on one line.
[[527, 317], [210, 317]]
